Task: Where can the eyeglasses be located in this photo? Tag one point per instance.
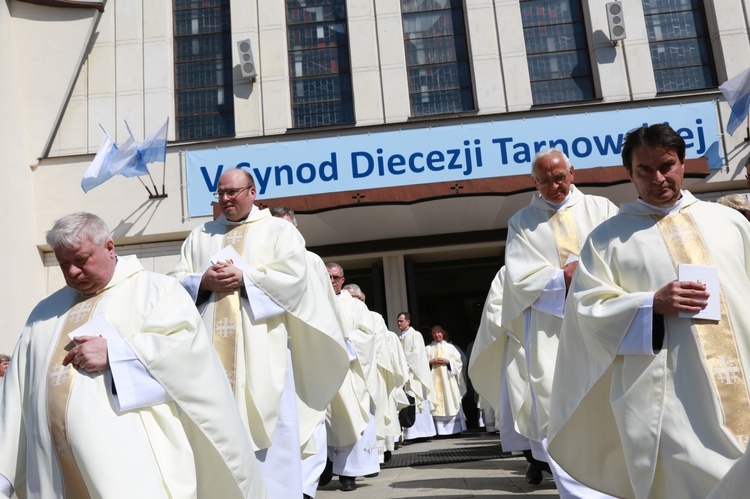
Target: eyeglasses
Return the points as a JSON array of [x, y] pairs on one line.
[[231, 193], [336, 277], [557, 179]]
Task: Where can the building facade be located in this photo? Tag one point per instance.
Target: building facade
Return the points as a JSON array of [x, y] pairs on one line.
[[400, 131]]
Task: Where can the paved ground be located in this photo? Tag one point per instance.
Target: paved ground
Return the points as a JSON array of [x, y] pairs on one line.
[[498, 477]]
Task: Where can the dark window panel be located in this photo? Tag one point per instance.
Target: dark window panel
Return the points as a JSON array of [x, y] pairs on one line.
[[557, 51], [436, 50], [198, 22], [438, 77], [203, 69], [317, 36], [559, 66], [661, 6], [409, 6], [315, 12], [202, 74], [555, 38], [312, 90], [557, 91], [437, 57], [550, 12], [319, 65], [680, 46], [430, 103]]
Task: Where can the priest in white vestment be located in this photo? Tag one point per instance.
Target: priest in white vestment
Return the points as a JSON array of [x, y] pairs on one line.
[[274, 330], [359, 458], [393, 373], [497, 368], [651, 400], [115, 391], [447, 369], [315, 451], [420, 384], [541, 253]]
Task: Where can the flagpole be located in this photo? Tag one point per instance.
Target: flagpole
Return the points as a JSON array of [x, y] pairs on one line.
[[144, 185]]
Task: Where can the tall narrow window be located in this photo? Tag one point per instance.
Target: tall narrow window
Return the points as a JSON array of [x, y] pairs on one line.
[[320, 74], [557, 52], [203, 69], [437, 57], [680, 50]]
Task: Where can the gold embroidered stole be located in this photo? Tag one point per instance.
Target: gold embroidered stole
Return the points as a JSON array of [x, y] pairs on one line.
[[565, 230], [227, 313], [60, 380], [716, 341], [439, 386]]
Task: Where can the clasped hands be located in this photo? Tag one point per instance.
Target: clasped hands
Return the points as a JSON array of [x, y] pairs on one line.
[[222, 278], [439, 361], [89, 354]]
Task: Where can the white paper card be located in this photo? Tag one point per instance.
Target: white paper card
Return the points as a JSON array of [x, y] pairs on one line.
[[229, 255], [709, 276], [571, 258], [97, 326]]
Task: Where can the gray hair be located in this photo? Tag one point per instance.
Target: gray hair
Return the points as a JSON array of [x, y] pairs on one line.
[[71, 230], [353, 289], [4, 357], [548, 152], [738, 202], [283, 211], [335, 266]]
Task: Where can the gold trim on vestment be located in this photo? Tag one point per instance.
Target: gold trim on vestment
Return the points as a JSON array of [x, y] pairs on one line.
[[227, 313], [439, 385], [565, 231], [60, 380], [716, 341]]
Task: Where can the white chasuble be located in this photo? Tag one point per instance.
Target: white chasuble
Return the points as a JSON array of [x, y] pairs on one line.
[[538, 245], [420, 385], [190, 447], [275, 254], [663, 418]]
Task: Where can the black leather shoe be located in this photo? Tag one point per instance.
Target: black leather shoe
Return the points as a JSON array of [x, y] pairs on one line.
[[347, 483], [372, 475], [305, 496], [534, 473], [387, 455], [327, 475]]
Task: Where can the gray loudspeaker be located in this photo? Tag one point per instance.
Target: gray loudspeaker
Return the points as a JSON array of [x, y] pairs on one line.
[[247, 63], [615, 21]]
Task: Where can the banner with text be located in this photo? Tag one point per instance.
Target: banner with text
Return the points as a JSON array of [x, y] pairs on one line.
[[441, 153]]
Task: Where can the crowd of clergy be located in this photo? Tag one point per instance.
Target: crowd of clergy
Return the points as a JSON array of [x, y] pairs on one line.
[[611, 350], [614, 343], [249, 371]]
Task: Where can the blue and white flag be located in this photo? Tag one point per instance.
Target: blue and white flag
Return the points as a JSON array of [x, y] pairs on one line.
[[99, 170], [737, 93], [124, 161], [154, 147]]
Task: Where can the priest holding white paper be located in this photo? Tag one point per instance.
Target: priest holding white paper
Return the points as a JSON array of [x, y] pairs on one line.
[[274, 330], [115, 391], [659, 394]]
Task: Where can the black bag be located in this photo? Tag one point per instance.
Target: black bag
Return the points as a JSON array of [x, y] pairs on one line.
[[408, 415]]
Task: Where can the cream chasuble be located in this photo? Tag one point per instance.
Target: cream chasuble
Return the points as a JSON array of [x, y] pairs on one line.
[[191, 447], [486, 362], [420, 377], [391, 380], [538, 245], [448, 394], [396, 396], [674, 420], [278, 265], [357, 397]]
